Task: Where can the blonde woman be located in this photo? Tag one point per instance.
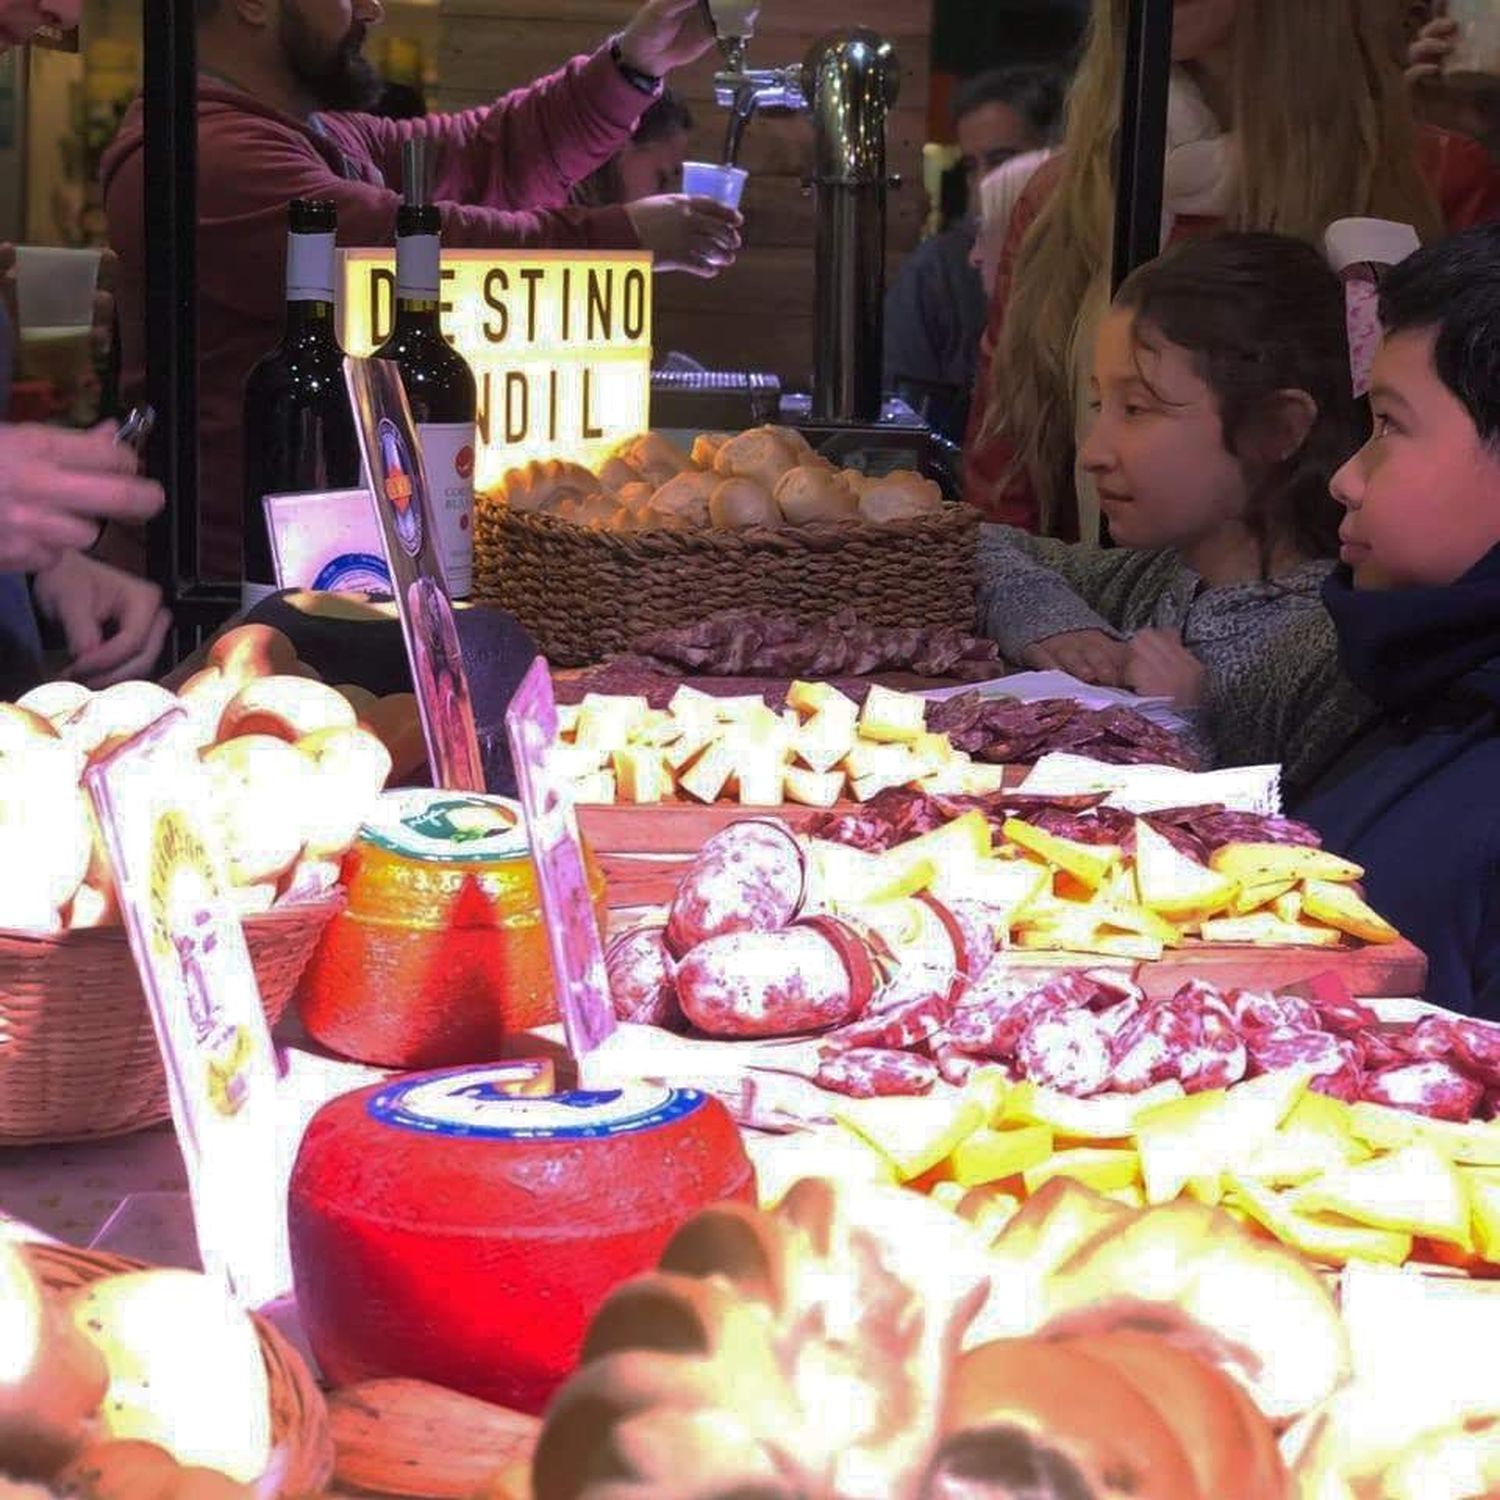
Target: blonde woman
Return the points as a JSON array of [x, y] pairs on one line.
[[1285, 115]]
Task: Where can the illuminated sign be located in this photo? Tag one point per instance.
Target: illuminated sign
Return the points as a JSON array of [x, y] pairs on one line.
[[559, 342]]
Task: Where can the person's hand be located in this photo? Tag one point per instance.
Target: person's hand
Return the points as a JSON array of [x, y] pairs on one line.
[[1431, 48], [113, 622], [1089, 655], [1158, 665], [57, 488], [665, 34], [696, 235]]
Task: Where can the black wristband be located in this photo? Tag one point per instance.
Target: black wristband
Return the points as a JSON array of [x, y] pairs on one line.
[[645, 83]]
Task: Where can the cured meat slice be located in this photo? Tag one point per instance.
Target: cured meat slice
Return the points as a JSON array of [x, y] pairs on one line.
[[1432, 1038], [993, 1014], [872, 1072], [1335, 1059], [1381, 1047], [1257, 1011], [1148, 1047], [907, 1020], [1430, 1087], [1067, 1051], [1478, 1045], [955, 1067], [1217, 1056]]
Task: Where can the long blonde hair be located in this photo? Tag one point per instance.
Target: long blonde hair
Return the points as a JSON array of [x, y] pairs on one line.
[[1323, 130]]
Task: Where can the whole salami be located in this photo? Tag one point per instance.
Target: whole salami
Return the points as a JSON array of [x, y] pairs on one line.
[[874, 1072], [763, 984], [1433, 1088], [643, 978], [749, 877]]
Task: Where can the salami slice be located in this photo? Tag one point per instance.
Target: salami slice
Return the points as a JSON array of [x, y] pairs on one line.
[[903, 1020], [1334, 1059], [1431, 1087], [1478, 1045], [1255, 1010], [993, 1014], [1067, 1051], [1381, 1047], [874, 1072], [1433, 1038], [1148, 1046], [1217, 1056]]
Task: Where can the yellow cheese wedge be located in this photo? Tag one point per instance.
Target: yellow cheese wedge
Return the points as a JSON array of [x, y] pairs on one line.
[[1340, 906], [1009, 886], [1288, 906], [914, 1134], [1107, 944], [641, 775], [1088, 863], [1111, 1117], [1252, 898], [933, 751], [1104, 1169], [989, 1087], [595, 790], [865, 758], [1174, 886], [693, 707], [1207, 1134], [892, 718], [759, 773], [1331, 1241], [1470, 1143], [1484, 1194], [825, 741], [1258, 864], [993, 1155], [688, 746], [981, 780], [811, 789], [955, 847], [710, 773], [1264, 929], [949, 1194], [1415, 1190], [812, 698]]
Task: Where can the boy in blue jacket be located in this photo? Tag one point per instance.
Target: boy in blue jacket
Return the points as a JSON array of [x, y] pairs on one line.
[[1416, 604]]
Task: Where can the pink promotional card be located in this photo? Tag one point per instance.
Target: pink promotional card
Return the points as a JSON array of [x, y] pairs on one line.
[[393, 460], [568, 913], [153, 805]]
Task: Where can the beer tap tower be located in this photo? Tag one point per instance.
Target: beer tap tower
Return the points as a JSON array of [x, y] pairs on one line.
[[848, 83]]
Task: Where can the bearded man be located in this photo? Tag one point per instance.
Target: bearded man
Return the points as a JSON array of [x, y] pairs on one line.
[[281, 88]]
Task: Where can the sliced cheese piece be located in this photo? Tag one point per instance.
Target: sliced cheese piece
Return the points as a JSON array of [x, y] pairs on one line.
[[994, 1155], [914, 1134], [595, 790], [810, 789], [1009, 886], [1415, 1190], [759, 773], [1252, 898], [1265, 929], [1259, 864], [1089, 863], [1334, 1242], [1174, 886], [1111, 1117], [825, 741], [1340, 906], [1105, 1169], [693, 707], [706, 779], [892, 718], [812, 698], [641, 776]]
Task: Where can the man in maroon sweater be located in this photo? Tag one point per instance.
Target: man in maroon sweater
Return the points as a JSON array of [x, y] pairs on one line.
[[279, 94]]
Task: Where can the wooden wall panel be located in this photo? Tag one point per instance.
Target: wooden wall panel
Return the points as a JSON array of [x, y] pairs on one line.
[[759, 314]]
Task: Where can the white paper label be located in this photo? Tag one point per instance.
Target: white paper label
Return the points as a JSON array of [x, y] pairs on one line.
[[448, 458], [309, 268], [419, 260]]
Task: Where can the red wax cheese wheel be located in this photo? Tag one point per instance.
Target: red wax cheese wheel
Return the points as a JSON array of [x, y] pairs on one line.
[[445, 1230], [440, 953]]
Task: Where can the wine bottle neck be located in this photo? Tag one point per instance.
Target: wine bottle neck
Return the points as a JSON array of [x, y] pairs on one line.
[[418, 269], [311, 319]]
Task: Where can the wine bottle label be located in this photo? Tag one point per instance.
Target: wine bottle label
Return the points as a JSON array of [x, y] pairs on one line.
[[309, 268], [448, 459], [251, 594], [419, 259]]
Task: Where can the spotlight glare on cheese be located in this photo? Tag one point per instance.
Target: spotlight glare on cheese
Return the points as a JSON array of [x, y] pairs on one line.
[[822, 747]]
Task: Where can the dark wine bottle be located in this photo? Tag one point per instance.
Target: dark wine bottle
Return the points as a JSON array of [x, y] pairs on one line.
[[439, 383], [298, 427]]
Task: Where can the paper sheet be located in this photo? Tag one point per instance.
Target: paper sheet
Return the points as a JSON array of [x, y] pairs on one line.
[[1140, 789]]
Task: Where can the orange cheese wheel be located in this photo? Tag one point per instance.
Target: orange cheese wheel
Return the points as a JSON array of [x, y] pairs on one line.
[[446, 1229], [440, 953]]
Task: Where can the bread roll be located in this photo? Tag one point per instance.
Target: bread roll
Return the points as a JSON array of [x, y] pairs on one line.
[[760, 454], [794, 440], [655, 458], [739, 504], [591, 510], [706, 447], [544, 486], [902, 496], [807, 493], [637, 497], [684, 499], [617, 476]]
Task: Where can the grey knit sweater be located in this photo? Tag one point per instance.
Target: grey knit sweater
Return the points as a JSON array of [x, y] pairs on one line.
[[1273, 691]]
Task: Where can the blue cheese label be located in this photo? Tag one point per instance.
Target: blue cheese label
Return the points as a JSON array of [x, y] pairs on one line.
[[475, 1103], [448, 827]]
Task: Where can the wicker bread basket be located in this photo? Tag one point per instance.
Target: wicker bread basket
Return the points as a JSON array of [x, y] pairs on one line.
[[78, 1056], [299, 1415], [587, 594]]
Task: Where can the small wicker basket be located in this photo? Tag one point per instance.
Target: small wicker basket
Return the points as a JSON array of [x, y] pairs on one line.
[[299, 1415], [78, 1056], [586, 594]]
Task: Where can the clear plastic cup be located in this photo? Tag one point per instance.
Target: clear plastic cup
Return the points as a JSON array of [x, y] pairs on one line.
[[702, 179], [55, 308]]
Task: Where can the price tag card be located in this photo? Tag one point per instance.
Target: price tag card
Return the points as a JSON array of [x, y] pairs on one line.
[[150, 795], [393, 460], [568, 913], [329, 541]]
